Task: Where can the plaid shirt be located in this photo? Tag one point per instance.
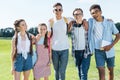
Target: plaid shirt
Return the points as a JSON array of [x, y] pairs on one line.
[[87, 50]]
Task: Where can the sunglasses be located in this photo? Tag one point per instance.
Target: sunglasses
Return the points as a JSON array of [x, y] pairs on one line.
[[57, 10]]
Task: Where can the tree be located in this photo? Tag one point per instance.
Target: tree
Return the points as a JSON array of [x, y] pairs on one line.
[[1, 32], [7, 32], [118, 26], [33, 31]]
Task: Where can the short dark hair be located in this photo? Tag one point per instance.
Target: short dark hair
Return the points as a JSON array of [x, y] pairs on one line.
[[77, 9], [57, 4], [95, 6]]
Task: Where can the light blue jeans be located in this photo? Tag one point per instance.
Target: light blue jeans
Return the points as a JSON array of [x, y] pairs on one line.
[[60, 61]]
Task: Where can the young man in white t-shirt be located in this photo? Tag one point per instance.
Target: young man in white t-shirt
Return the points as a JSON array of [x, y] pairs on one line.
[[101, 43], [60, 43]]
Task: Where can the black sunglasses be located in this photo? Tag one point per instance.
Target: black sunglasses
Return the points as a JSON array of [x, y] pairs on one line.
[[58, 10]]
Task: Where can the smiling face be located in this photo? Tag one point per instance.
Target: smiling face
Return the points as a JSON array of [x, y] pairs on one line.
[[96, 13], [42, 29], [78, 14]]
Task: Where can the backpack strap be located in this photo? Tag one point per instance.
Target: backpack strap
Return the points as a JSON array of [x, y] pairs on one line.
[[30, 38], [65, 19], [51, 22]]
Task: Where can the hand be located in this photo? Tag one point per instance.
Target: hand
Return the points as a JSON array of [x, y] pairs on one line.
[[107, 48], [85, 24], [12, 71], [49, 63]]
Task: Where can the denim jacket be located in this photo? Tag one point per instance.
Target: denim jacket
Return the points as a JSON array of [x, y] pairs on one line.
[[109, 29]]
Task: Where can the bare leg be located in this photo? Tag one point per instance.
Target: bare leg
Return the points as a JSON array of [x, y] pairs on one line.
[[101, 73], [36, 79], [17, 75], [45, 78], [26, 75], [111, 73]]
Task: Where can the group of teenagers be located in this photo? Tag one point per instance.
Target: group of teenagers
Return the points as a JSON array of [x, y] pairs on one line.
[[52, 45]]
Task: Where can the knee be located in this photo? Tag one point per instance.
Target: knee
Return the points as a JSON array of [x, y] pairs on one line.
[[111, 71], [25, 78], [62, 72], [101, 70]]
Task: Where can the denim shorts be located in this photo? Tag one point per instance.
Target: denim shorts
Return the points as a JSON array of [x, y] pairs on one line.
[[100, 57], [21, 64]]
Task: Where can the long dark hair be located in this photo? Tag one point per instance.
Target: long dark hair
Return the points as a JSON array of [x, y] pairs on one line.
[[30, 38], [17, 25], [46, 35]]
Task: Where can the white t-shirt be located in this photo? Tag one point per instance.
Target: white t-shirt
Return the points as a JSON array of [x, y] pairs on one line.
[[59, 38], [98, 32]]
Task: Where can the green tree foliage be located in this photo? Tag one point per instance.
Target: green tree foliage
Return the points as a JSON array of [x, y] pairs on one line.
[[33, 31], [118, 26], [7, 32]]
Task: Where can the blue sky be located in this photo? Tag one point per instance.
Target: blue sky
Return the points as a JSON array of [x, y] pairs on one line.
[[38, 11]]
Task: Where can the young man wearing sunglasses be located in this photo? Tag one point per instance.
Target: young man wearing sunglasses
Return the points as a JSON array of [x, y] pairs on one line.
[[60, 43], [100, 40]]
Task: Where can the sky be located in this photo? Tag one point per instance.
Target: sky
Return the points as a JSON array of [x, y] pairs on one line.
[[39, 11]]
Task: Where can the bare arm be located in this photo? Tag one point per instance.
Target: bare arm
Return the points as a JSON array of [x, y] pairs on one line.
[[33, 39], [38, 37], [117, 37], [85, 24], [12, 55], [70, 26]]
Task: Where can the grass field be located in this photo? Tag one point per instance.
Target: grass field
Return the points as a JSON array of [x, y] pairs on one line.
[[71, 74]]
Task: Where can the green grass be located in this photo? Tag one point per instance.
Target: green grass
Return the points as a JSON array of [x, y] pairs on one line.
[[71, 73]]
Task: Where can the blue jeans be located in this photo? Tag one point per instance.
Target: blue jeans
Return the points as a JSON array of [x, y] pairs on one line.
[[82, 64], [60, 61]]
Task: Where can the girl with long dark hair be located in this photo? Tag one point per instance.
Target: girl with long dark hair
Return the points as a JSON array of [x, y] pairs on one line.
[[21, 51], [42, 66]]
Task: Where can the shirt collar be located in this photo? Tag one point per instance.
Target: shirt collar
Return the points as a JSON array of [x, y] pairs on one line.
[[77, 25]]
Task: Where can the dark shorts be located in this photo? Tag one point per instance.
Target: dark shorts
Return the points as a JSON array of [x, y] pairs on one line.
[[21, 64], [101, 58]]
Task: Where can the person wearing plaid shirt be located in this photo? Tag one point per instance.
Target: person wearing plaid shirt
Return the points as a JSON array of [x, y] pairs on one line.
[[80, 47]]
